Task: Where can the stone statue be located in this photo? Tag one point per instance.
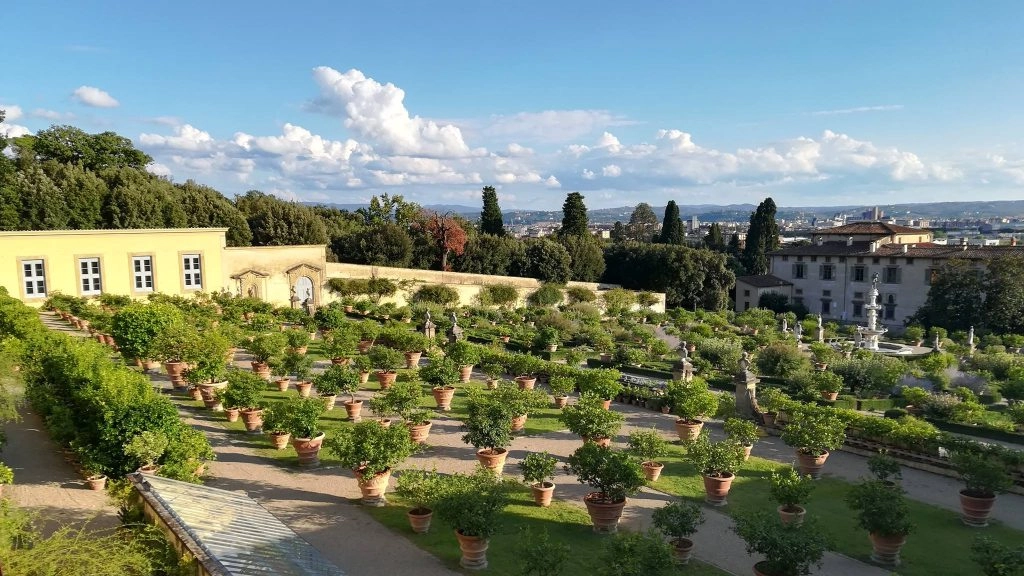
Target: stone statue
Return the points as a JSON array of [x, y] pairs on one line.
[[429, 328], [785, 325], [970, 337], [454, 319], [428, 317], [684, 354], [745, 362], [937, 344], [798, 330], [455, 332], [746, 389], [819, 320]]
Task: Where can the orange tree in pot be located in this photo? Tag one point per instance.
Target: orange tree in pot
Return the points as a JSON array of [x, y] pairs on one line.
[[419, 488], [519, 402], [339, 380], [995, 558], [464, 355], [371, 451], [790, 490], [538, 471], [984, 475], [677, 521], [136, 326], [614, 475], [814, 431], [717, 463], [442, 374], [881, 510], [488, 428], [245, 392], [588, 418], [341, 342], [387, 361], [690, 402], [302, 420], [264, 348], [789, 549], [601, 382], [472, 505], [648, 446], [638, 553], [742, 432]]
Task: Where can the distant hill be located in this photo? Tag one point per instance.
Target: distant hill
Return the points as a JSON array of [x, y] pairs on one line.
[[740, 212]]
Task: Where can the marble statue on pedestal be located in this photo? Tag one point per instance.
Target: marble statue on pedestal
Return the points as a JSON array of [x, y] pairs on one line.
[[746, 389]]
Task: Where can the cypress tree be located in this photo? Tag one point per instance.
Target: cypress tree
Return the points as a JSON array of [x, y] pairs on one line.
[[491, 220], [714, 239], [762, 237], [672, 225], [734, 245], [574, 216]]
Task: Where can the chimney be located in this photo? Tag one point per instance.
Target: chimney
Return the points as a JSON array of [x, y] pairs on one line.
[[819, 241], [874, 246], [963, 241], [849, 240], [963, 247]]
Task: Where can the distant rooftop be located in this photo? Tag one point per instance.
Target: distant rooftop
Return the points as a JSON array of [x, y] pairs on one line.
[[763, 281], [871, 228]]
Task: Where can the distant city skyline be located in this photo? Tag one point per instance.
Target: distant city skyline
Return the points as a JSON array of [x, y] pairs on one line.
[[813, 104]]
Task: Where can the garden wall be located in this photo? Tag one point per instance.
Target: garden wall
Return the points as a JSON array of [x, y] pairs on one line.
[[467, 285]]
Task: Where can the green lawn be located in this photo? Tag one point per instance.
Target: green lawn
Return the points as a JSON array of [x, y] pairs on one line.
[[564, 522], [940, 544]]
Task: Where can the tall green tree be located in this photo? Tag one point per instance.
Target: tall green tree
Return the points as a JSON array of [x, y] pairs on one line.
[[762, 238], [276, 222], [84, 193], [205, 207], [671, 226], [42, 203], [574, 216], [1004, 295], [643, 223], [491, 220], [70, 145], [548, 261], [714, 239], [586, 257], [689, 278], [955, 297], [734, 245], [619, 233], [497, 255]]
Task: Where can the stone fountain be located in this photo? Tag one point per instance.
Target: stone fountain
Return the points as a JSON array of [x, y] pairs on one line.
[[868, 335]]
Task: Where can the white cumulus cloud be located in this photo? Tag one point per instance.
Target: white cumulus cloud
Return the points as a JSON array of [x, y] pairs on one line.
[[92, 96]]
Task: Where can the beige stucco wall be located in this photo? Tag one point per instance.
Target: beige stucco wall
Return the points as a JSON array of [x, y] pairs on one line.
[[748, 296], [467, 285], [273, 270]]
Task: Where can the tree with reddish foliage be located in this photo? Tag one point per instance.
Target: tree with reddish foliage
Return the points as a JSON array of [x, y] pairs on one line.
[[447, 233]]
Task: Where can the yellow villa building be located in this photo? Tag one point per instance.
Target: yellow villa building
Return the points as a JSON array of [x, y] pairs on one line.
[[183, 261]]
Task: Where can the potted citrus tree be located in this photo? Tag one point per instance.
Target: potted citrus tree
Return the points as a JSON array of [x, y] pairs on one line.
[[561, 386], [984, 476], [538, 471], [472, 506], [813, 431], [245, 392], [413, 344], [790, 490], [601, 382], [829, 384], [387, 361], [519, 402], [441, 373], [690, 402], [371, 451], [770, 401], [303, 422], [678, 521], [147, 447], [494, 371], [881, 510], [788, 549], [614, 475], [298, 340], [464, 355], [176, 346], [420, 488], [339, 380], [275, 425], [717, 463], [648, 446], [339, 345], [488, 428], [742, 432], [588, 419], [263, 348]]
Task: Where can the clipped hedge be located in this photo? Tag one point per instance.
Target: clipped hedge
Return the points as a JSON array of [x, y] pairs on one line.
[[94, 405]]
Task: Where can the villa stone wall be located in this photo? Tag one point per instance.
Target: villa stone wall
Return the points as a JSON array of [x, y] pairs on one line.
[[468, 286]]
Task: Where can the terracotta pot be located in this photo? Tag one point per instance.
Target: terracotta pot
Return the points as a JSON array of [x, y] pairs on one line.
[[794, 517], [561, 401], [518, 423], [552, 347], [542, 493], [419, 432], [747, 448], [603, 515], [443, 397], [97, 482], [474, 551], [280, 439], [364, 346], [769, 418], [232, 414], [810, 465], [492, 383], [682, 549], [282, 384], [465, 373], [386, 379], [329, 401], [492, 458], [716, 489], [526, 382], [308, 450], [886, 549], [419, 519], [261, 368], [830, 396], [373, 488], [253, 420], [385, 422], [354, 410], [364, 377], [304, 388], [348, 309], [504, 339], [301, 350], [149, 469], [339, 361], [209, 392], [974, 510], [652, 470], [175, 371], [606, 404], [412, 359], [196, 393], [150, 365], [688, 430]]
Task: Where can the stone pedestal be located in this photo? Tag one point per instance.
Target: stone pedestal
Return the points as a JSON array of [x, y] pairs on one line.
[[820, 334], [746, 394], [429, 329], [454, 333], [682, 370]]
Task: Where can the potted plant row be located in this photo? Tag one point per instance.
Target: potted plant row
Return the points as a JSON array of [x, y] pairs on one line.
[[371, 451]]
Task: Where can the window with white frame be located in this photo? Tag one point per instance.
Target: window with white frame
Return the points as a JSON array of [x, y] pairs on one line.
[[33, 276], [89, 273], [142, 273], [192, 271]]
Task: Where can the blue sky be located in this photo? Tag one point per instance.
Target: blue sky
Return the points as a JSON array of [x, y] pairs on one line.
[[812, 103]]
